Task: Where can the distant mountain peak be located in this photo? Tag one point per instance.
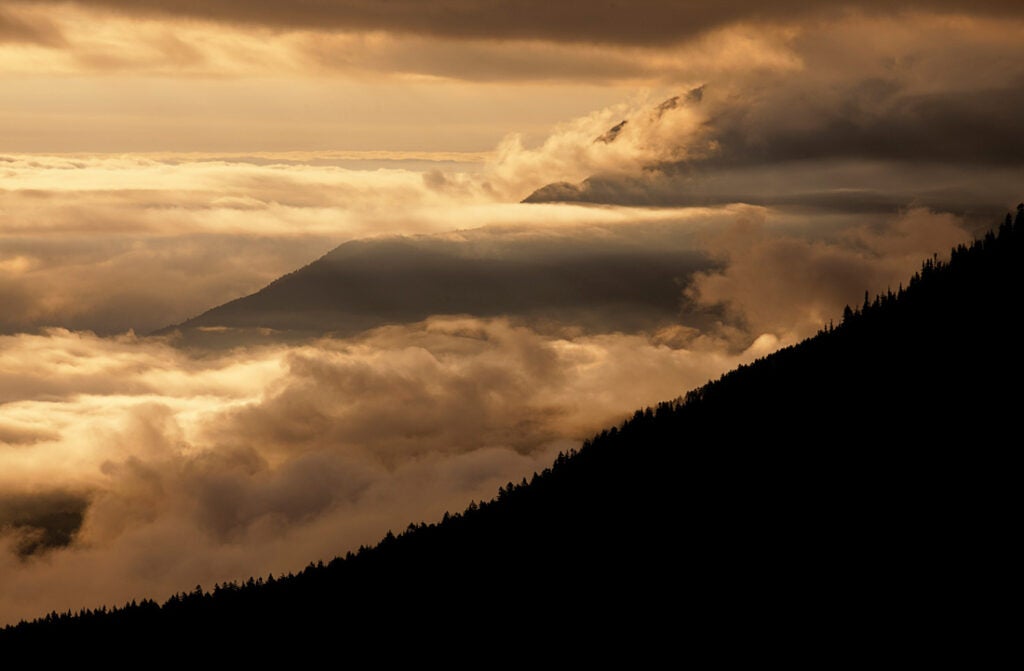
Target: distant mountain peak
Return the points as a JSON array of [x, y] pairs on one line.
[[612, 132], [669, 104], [848, 475], [694, 95]]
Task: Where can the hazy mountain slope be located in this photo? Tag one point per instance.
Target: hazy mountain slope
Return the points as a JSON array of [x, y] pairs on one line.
[[604, 280], [851, 493]]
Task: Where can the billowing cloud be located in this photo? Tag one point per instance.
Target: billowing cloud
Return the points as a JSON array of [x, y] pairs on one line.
[[784, 283], [111, 244], [152, 468], [139, 80], [927, 90], [919, 114], [787, 156], [189, 469], [115, 243]]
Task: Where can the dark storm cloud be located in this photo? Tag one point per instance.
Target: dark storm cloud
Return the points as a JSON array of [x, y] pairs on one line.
[[839, 139], [827, 185], [876, 119], [640, 22]]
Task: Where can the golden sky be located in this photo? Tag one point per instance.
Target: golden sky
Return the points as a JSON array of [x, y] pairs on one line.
[[160, 158], [99, 76]]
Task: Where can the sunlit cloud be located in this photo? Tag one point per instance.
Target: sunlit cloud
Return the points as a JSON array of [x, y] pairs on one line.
[[290, 452], [789, 285], [161, 160], [111, 243]]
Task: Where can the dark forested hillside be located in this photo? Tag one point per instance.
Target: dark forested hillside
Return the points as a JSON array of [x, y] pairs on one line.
[[855, 491]]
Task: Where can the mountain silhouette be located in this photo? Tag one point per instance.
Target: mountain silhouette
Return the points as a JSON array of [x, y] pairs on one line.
[[850, 496], [601, 280]]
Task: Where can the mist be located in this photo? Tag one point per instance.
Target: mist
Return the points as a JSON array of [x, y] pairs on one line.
[[482, 245]]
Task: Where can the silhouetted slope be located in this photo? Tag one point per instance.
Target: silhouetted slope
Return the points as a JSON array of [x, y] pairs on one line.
[[849, 494]]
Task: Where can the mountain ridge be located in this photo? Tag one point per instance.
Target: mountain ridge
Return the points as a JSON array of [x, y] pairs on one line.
[[843, 496], [362, 284]]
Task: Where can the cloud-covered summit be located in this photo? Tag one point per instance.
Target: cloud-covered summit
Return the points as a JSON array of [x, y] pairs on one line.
[[924, 115], [628, 277], [834, 146]]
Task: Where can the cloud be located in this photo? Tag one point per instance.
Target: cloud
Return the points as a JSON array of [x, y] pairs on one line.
[[789, 285], [115, 283], [190, 465], [215, 466], [920, 113], [815, 187], [653, 134], [547, 62], [109, 244], [659, 43], [682, 269], [642, 22], [188, 52], [950, 93], [598, 276], [847, 85], [17, 29], [115, 243], [477, 60], [198, 466]]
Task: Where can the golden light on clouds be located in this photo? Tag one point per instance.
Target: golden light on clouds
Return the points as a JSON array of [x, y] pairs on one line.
[[402, 423], [708, 181]]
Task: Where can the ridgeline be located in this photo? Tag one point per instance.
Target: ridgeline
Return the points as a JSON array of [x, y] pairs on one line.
[[854, 491]]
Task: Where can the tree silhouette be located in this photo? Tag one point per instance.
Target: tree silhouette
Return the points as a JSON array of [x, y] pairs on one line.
[[861, 481]]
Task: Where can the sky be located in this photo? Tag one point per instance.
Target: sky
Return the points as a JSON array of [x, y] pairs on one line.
[[158, 159]]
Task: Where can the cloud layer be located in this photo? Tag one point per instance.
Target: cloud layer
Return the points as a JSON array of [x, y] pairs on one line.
[[203, 469], [642, 22], [816, 150], [789, 285], [116, 243], [941, 77], [919, 114], [598, 277], [151, 468], [113, 243]]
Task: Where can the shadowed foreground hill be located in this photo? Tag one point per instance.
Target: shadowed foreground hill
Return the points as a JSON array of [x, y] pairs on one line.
[[856, 491]]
